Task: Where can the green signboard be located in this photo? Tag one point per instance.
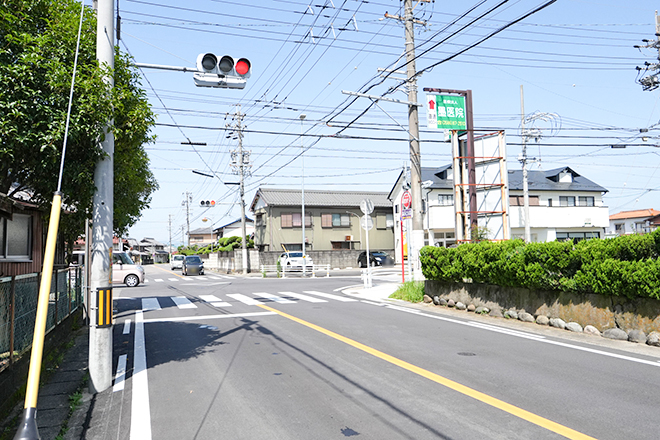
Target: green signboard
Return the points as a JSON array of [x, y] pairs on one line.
[[446, 112]]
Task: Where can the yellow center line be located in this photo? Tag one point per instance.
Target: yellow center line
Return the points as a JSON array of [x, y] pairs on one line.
[[168, 271], [485, 398]]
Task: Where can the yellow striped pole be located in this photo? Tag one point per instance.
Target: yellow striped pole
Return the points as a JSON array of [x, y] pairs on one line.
[[27, 429]]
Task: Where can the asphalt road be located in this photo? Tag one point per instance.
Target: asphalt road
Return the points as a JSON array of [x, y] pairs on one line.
[[218, 357]]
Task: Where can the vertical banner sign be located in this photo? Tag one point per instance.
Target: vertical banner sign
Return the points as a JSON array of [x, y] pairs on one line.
[[446, 112]]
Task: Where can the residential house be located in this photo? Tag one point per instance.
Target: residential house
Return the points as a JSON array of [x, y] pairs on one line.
[[202, 236], [152, 251], [562, 205], [22, 238], [639, 221], [234, 229], [332, 220]]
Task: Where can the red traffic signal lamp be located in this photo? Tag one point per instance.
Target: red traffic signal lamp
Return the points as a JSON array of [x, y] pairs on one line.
[[207, 203], [222, 73]]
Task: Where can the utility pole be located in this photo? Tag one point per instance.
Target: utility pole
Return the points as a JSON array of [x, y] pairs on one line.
[[651, 82], [241, 165], [100, 338], [523, 161], [417, 236], [169, 227], [186, 202], [302, 158]]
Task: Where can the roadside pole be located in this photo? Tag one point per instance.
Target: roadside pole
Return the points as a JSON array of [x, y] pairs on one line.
[[100, 338]]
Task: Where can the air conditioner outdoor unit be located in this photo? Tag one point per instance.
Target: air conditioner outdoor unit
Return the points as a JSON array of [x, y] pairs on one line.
[[349, 238]]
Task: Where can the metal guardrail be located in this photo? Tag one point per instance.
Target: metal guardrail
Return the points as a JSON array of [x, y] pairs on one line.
[[18, 309], [282, 271]]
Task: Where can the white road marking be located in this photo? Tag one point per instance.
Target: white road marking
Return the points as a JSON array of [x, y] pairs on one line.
[[127, 327], [202, 318], [303, 297], [330, 296], [120, 374], [272, 297], [158, 280], [172, 279], [146, 280], [214, 301], [201, 277], [372, 303], [183, 303], [140, 412], [244, 299], [150, 304], [537, 338]]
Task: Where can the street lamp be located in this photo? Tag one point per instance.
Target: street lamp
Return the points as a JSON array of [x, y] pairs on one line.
[[302, 158]]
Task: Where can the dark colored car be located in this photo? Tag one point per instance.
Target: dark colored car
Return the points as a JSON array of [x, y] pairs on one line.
[[192, 265], [377, 258]]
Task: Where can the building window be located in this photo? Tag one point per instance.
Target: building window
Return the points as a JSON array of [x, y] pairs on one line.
[[260, 220], [620, 228], [296, 220], [396, 209], [446, 199], [16, 237], [286, 220], [326, 220], [566, 200], [340, 220], [520, 201], [577, 236], [389, 220], [585, 201], [550, 203]]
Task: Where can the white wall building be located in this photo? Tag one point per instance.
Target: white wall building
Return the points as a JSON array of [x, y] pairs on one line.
[[563, 205], [639, 221]]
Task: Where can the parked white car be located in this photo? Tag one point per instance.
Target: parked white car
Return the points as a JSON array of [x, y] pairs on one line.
[[294, 260], [177, 261]]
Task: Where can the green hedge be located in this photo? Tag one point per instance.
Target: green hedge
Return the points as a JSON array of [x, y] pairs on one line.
[[224, 244], [623, 266]]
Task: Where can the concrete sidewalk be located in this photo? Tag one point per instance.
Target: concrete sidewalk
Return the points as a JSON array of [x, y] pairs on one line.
[[378, 292], [56, 392]]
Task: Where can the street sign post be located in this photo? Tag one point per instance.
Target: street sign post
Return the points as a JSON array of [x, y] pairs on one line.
[[367, 206], [446, 112], [367, 223]]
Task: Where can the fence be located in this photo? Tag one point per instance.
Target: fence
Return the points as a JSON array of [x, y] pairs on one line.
[[18, 308]]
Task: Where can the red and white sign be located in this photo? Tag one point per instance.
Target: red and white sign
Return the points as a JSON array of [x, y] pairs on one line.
[[406, 200]]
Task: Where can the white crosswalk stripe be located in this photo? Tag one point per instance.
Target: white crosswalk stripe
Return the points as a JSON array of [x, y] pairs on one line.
[[214, 301], [150, 304], [183, 303], [244, 299], [172, 279], [330, 296], [158, 280], [303, 297], [272, 297]]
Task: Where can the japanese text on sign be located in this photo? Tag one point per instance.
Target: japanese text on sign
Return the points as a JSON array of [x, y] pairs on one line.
[[446, 112]]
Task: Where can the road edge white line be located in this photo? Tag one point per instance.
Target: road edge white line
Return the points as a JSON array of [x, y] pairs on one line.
[[140, 411], [120, 374]]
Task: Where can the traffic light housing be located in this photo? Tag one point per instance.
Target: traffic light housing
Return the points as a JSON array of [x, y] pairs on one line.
[[223, 72], [207, 203]]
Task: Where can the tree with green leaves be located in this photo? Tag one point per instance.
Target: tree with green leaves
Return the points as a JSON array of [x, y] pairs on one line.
[[37, 50]]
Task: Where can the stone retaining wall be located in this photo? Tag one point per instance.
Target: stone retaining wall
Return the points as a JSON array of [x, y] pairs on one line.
[[599, 311]]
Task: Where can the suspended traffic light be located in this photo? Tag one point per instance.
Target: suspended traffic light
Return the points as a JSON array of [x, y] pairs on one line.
[[223, 73], [207, 203]]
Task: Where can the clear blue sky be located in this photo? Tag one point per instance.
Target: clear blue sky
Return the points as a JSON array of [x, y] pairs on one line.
[[574, 58]]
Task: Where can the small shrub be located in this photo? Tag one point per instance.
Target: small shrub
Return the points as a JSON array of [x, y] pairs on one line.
[[412, 291]]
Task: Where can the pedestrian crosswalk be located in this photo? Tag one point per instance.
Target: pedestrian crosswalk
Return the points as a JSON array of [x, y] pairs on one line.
[[230, 299], [214, 277]]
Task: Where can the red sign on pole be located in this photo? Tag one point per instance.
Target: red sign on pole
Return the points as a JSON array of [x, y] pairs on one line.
[[406, 200]]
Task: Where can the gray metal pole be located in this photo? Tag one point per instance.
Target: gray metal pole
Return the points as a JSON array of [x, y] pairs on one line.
[[416, 238], [302, 158], [100, 339]]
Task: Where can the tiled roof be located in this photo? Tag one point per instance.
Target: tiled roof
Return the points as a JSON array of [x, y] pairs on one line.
[[320, 198], [202, 231], [539, 180], [637, 213]]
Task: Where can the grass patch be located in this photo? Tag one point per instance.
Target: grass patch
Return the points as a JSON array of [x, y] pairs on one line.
[[411, 291]]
